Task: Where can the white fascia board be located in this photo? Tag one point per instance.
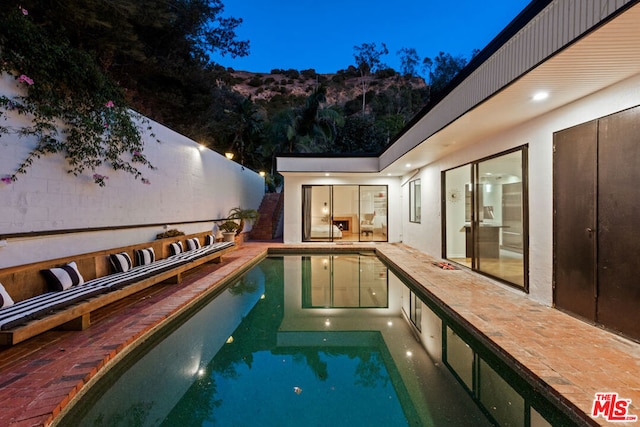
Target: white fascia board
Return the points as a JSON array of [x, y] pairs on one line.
[[328, 164]]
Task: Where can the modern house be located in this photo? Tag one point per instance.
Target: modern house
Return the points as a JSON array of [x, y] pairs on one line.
[[523, 170]]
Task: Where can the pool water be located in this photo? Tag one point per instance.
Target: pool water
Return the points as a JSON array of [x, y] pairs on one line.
[[314, 340]]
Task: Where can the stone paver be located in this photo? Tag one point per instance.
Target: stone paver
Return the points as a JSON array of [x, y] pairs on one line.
[[40, 376]]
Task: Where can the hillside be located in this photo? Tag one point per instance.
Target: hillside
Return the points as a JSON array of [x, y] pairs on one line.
[[342, 87]]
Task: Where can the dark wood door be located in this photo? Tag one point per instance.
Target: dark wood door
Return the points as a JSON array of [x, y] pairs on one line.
[[619, 222], [574, 226]]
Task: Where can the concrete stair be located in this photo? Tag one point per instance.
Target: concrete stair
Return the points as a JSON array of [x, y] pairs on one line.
[[268, 225]]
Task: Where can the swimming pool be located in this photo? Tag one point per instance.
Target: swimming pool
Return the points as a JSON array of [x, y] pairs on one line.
[[304, 340]]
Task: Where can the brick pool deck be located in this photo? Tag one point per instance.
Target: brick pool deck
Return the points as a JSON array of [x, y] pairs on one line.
[[39, 377]]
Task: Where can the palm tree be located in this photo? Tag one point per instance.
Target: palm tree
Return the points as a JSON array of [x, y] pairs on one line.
[[248, 215], [311, 128]]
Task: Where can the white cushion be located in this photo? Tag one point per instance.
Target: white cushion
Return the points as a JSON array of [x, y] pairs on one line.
[[193, 244], [120, 262], [176, 248], [145, 256], [61, 278], [5, 298]]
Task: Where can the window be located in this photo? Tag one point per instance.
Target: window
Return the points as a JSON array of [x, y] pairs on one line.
[[415, 205], [485, 221]]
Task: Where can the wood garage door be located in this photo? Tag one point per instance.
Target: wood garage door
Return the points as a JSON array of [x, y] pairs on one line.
[[596, 233]]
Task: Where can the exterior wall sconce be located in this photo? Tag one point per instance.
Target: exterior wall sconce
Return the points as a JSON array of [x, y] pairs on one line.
[[229, 155], [262, 173]]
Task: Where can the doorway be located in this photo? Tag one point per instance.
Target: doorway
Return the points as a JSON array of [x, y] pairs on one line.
[[596, 245], [344, 213]]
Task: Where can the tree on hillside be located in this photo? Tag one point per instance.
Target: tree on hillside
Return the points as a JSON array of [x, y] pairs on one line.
[[311, 128], [443, 68], [409, 61], [247, 124], [359, 135], [367, 57]]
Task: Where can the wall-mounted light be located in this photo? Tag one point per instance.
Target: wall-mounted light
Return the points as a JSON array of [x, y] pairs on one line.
[[262, 173], [229, 155], [325, 209]]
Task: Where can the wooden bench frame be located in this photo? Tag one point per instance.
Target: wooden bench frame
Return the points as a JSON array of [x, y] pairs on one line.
[[26, 281]]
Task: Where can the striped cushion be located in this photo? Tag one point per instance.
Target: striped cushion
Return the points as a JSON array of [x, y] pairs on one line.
[[203, 251], [42, 305], [176, 248], [145, 256], [136, 274], [120, 262], [193, 244], [5, 298], [64, 277], [209, 240]]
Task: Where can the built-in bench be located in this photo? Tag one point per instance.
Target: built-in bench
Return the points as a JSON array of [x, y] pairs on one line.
[[37, 308]]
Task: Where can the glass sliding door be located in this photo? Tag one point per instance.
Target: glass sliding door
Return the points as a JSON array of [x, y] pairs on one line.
[[373, 213], [458, 210], [485, 216], [316, 213], [501, 218], [344, 212]]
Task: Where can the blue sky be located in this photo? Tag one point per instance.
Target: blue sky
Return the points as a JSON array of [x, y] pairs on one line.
[[302, 34]]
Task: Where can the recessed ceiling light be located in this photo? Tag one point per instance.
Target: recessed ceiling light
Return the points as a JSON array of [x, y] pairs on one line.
[[408, 165], [327, 174], [540, 96]]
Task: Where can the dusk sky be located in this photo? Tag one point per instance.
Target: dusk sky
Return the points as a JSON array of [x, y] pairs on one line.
[[301, 34]]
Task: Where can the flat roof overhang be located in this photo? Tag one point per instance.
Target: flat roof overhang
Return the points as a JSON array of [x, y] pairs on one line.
[[604, 56]]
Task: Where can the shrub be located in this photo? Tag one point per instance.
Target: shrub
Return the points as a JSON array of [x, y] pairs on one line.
[[255, 82], [309, 74], [169, 233]]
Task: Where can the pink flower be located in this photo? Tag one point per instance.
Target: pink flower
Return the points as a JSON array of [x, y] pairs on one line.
[[6, 179], [100, 179], [136, 153], [146, 181], [25, 79], [23, 10], [109, 104]]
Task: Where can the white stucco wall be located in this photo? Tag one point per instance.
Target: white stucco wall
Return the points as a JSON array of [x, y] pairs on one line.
[[538, 134], [189, 184], [293, 201]]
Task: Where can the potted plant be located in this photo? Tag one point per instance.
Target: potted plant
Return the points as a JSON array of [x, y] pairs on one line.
[[243, 215], [229, 228]]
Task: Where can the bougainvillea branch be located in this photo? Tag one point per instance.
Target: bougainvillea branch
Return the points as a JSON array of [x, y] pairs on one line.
[[72, 106]]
